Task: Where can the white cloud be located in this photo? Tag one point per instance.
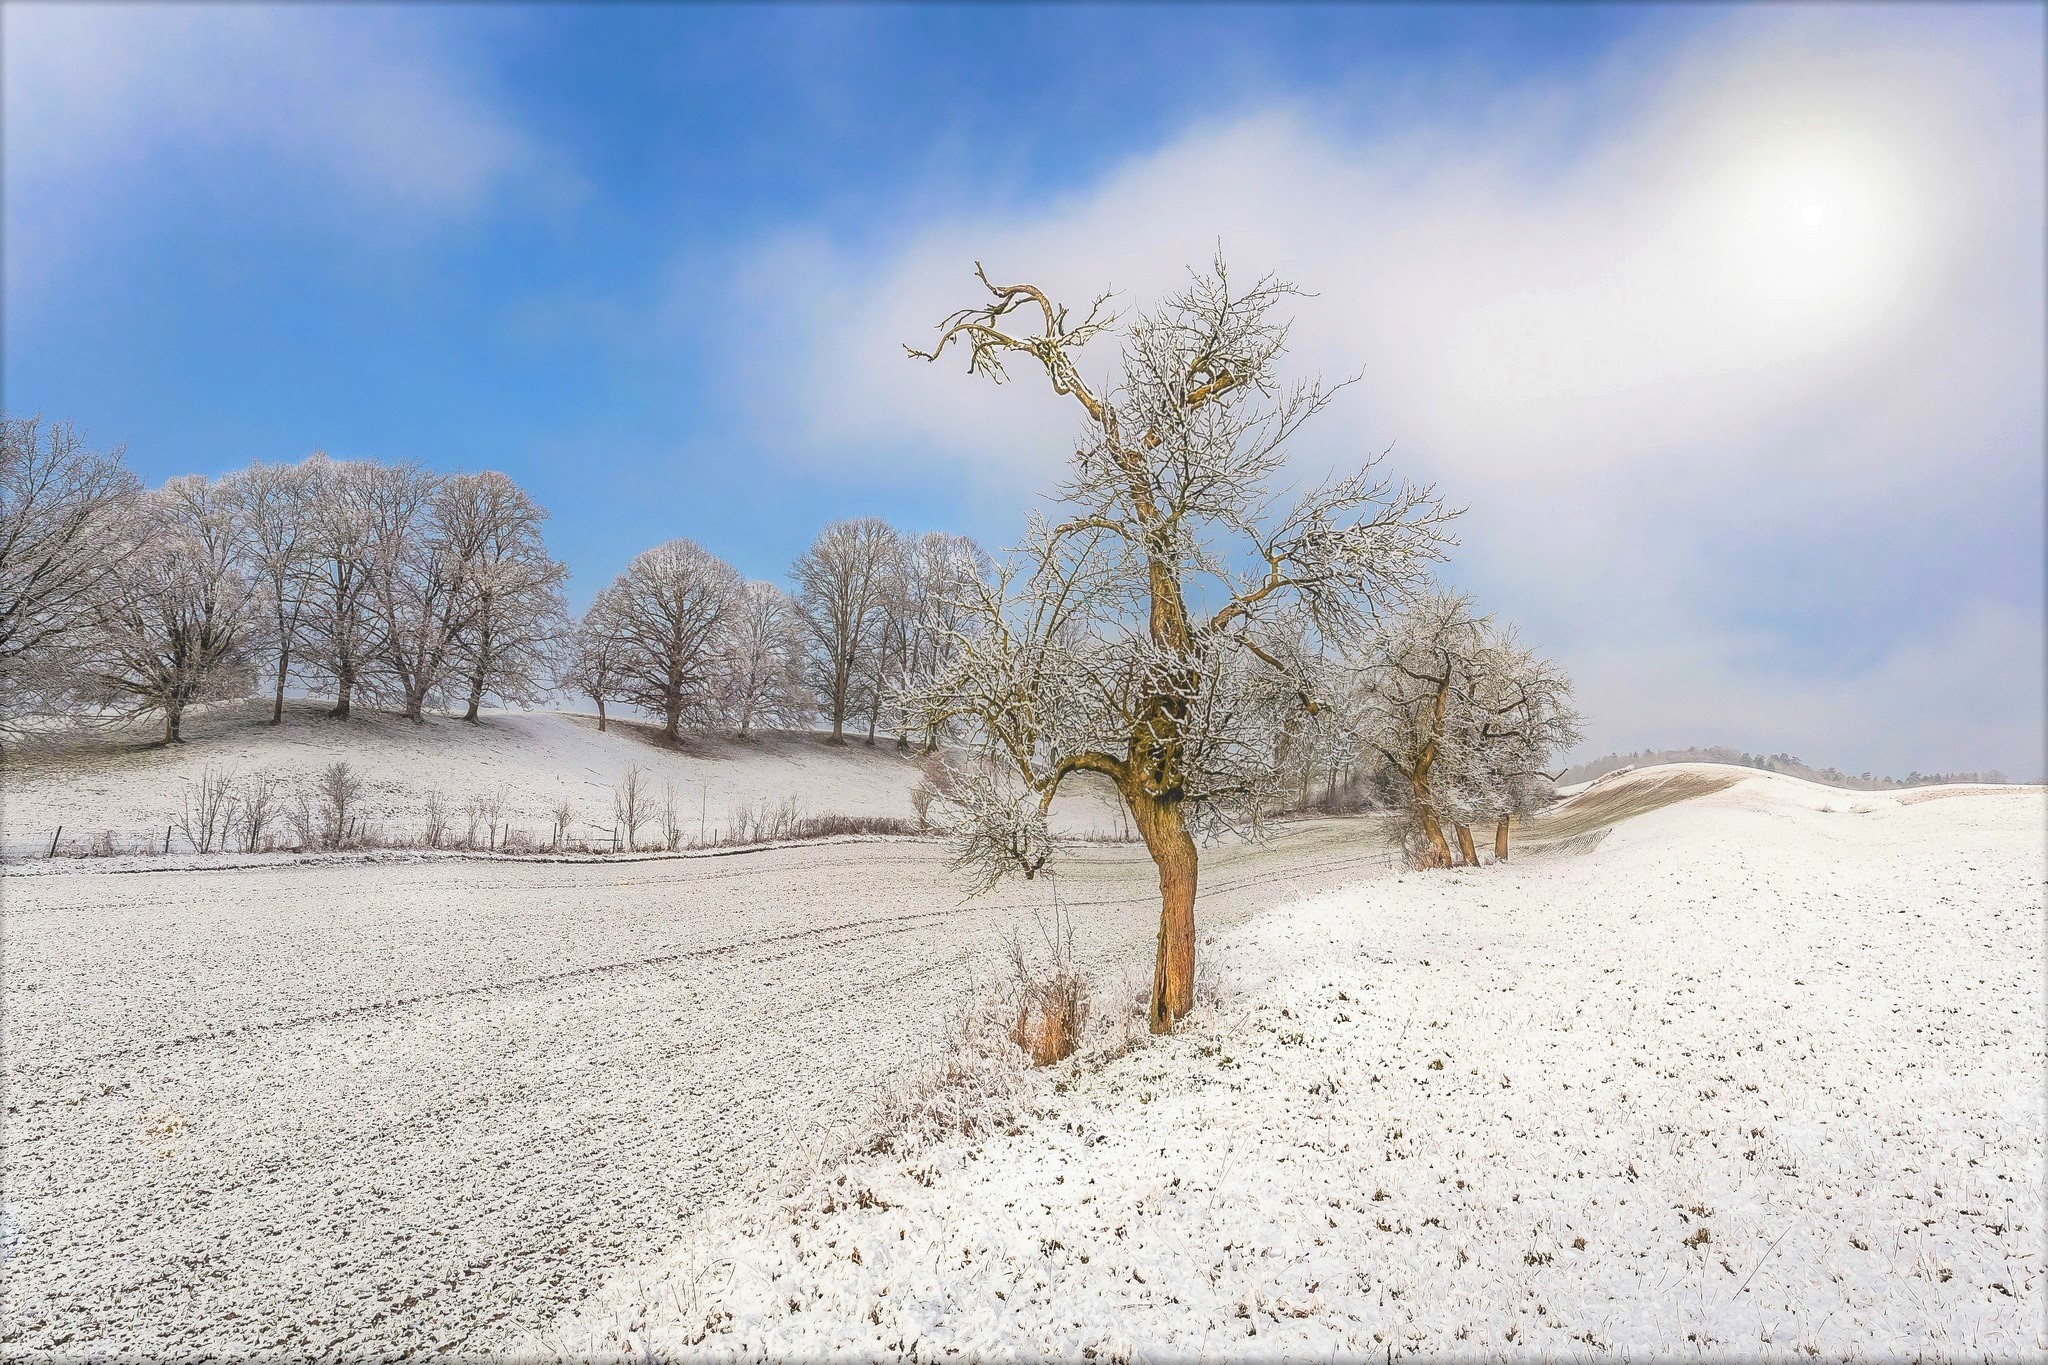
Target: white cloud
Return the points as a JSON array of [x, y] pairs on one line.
[[1791, 283], [364, 109]]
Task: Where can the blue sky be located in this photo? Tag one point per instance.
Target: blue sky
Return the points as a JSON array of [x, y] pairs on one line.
[[1753, 486]]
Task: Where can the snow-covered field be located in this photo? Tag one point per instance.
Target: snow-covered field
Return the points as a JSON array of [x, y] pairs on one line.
[[1760, 1077], [368, 1107]]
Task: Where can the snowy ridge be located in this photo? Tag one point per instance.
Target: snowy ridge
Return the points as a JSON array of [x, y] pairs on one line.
[[1756, 1078]]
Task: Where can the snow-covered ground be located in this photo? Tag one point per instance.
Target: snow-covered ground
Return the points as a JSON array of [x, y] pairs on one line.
[[1760, 1077], [125, 782], [364, 1107]]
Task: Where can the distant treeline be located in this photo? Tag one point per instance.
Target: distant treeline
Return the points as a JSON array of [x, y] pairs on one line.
[[1770, 763]]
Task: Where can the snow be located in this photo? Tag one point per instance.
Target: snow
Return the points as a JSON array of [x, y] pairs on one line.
[[1762, 1077]]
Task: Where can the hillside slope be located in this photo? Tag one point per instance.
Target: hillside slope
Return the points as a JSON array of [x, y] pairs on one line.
[[124, 782]]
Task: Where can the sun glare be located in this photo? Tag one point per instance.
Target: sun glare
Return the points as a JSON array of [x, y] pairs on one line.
[[1811, 237]]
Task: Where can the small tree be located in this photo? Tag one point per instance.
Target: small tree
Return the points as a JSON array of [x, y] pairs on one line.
[[1131, 638], [1465, 717], [208, 812], [434, 817], [340, 790], [259, 808], [629, 803], [1526, 721]]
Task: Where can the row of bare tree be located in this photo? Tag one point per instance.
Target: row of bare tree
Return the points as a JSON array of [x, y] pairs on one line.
[[367, 581], [401, 587], [682, 637]]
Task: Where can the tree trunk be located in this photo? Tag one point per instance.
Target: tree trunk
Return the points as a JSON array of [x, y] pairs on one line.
[[839, 687], [345, 681], [1500, 840], [1465, 846], [476, 694], [1173, 972], [172, 717], [600, 713], [672, 721], [1439, 847], [284, 663]]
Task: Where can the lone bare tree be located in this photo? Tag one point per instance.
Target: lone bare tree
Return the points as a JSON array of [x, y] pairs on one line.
[[58, 503], [1130, 639]]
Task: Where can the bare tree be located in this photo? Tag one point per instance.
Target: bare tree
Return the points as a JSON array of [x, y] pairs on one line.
[[629, 803], [340, 792], [59, 501], [516, 615], [340, 625], [260, 796], [1526, 721], [670, 607], [434, 817], [419, 563], [760, 661], [207, 814], [842, 584], [593, 662], [1466, 718], [1127, 640], [1423, 668], [941, 578], [275, 505], [173, 619]]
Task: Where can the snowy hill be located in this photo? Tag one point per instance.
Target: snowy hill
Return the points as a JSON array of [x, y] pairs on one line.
[[124, 782], [1757, 1077]]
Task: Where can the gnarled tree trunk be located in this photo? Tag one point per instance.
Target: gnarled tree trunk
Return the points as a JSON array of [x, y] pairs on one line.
[[1500, 840], [1465, 846], [1166, 837], [1439, 847]]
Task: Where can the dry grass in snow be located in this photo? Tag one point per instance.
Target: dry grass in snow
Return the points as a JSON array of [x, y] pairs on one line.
[[1761, 1077]]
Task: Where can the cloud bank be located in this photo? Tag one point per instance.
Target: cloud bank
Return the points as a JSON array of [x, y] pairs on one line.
[[364, 116], [1735, 354]]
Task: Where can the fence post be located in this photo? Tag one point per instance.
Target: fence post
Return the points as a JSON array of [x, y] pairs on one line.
[[53, 841], [167, 841]]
